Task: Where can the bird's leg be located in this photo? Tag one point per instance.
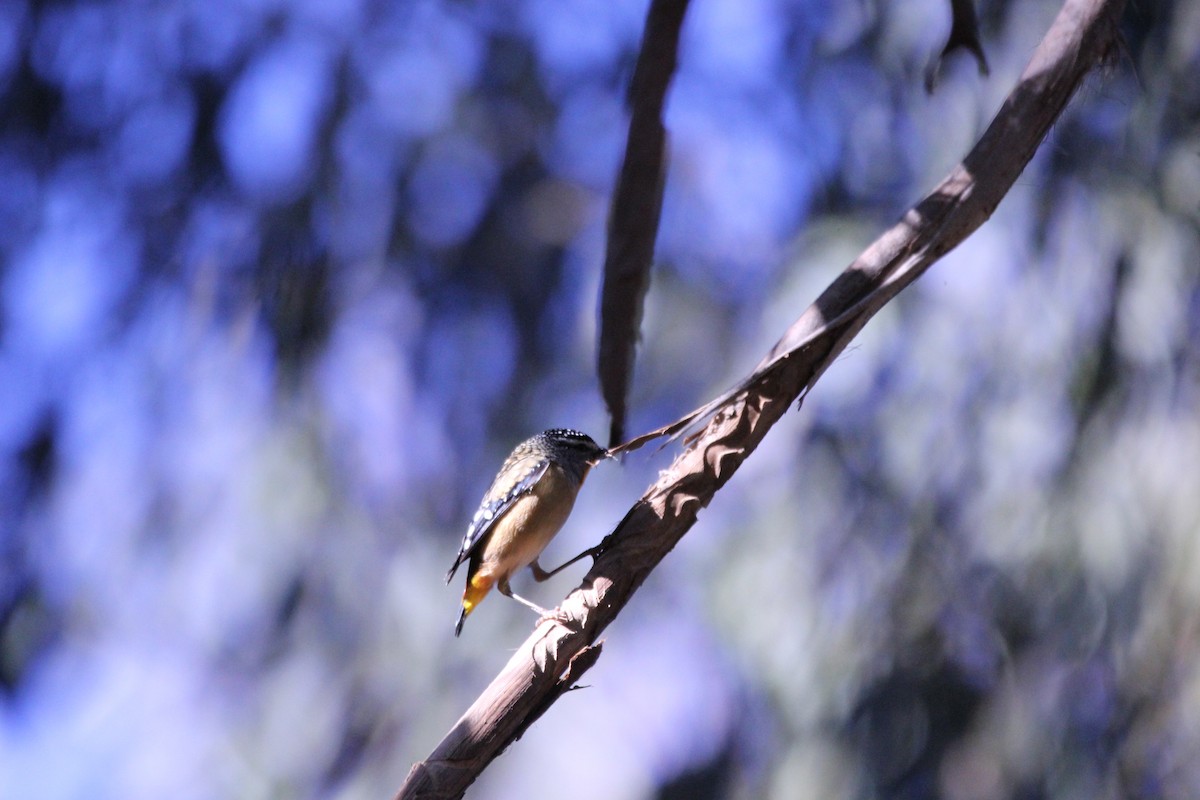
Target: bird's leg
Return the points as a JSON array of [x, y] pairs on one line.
[[543, 614], [540, 574], [503, 588]]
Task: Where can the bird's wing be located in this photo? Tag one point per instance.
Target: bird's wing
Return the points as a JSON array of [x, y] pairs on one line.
[[510, 485]]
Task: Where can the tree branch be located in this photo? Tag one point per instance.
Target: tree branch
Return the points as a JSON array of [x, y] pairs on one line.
[[636, 209], [554, 657]]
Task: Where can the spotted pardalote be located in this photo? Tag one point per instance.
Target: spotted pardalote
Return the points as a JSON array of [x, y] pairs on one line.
[[528, 502]]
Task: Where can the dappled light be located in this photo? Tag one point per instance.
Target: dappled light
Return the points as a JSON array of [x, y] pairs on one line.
[[281, 285]]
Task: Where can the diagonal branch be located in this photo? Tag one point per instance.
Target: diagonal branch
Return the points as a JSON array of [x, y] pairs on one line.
[[554, 657]]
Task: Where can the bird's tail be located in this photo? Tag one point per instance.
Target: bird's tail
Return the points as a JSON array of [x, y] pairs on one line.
[[477, 588]]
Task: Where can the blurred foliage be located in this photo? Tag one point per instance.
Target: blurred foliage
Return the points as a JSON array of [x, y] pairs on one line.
[[280, 284]]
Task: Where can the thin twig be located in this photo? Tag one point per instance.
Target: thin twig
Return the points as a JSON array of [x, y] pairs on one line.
[[636, 209]]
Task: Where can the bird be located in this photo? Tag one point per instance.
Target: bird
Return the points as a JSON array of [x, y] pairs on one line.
[[529, 500]]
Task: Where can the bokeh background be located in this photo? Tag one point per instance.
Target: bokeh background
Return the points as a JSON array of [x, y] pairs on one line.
[[281, 283]]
